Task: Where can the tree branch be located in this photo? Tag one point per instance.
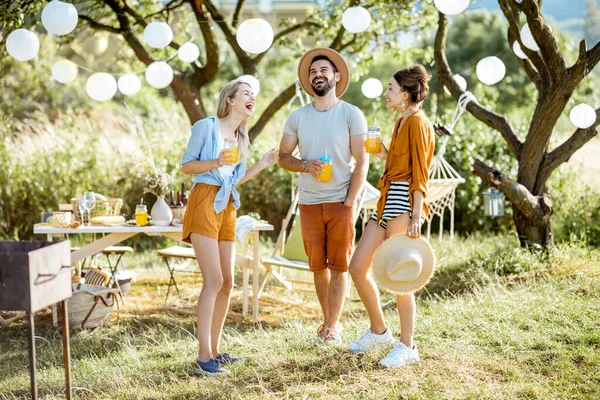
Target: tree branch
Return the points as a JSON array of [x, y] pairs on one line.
[[243, 57], [278, 102], [205, 74], [490, 118], [512, 16], [98, 26], [173, 5], [544, 38], [188, 98], [531, 206], [284, 33], [563, 153], [593, 56], [236, 14]]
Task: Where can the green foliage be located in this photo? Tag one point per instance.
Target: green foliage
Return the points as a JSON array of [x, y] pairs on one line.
[[577, 208]]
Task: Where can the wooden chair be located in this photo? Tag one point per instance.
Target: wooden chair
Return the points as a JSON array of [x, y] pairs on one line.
[[170, 256], [289, 252]]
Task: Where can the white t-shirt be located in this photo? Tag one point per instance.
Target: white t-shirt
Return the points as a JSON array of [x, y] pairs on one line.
[[226, 170], [331, 130]]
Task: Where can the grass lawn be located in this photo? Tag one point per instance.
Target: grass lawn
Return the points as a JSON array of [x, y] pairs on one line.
[[496, 322]]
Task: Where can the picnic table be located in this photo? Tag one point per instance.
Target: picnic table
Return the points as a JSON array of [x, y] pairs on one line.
[[112, 235]]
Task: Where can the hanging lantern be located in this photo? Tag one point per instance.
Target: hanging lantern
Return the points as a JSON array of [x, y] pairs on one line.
[[129, 84], [519, 51], [490, 70], [101, 86], [59, 18], [356, 19], [252, 81], [372, 88], [188, 52], [22, 44], [159, 75], [158, 35], [460, 81], [255, 35], [64, 71], [451, 7], [493, 203], [582, 116], [527, 38]]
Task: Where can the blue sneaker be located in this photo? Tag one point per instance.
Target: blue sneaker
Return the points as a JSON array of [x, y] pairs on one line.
[[226, 358], [210, 367]]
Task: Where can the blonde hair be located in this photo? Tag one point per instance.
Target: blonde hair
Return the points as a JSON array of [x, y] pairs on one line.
[[223, 108]]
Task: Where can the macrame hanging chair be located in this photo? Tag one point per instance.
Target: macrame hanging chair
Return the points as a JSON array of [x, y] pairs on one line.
[[443, 179]]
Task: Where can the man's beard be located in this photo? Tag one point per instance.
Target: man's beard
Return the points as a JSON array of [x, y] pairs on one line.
[[325, 89]]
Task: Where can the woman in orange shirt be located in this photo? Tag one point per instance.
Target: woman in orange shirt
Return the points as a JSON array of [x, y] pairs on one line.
[[400, 209]]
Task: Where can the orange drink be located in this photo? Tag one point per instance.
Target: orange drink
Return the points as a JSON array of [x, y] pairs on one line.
[[373, 145], [232, 152], [141, 215], [327, 168]]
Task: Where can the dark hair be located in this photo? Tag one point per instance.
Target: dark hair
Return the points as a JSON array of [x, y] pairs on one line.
[[414, 81], [322, 57]]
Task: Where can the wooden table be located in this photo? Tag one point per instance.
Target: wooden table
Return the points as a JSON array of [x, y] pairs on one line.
[[116, 234]]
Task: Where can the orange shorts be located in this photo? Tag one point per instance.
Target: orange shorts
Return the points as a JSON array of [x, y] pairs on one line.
[[201, 218], [328, 235]]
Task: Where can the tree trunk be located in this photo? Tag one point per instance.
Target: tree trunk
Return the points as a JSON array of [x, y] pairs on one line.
[[533, 234]]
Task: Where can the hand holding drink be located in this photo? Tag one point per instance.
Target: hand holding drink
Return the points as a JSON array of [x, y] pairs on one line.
[[231, 149], [326, 168], [373, 142]]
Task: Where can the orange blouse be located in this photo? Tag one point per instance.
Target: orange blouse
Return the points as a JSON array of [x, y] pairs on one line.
[[409, 158]]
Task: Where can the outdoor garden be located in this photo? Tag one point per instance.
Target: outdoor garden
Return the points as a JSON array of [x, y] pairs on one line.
[[100, 96]]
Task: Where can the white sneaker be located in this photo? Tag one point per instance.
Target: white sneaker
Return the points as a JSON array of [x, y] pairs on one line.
[[400, 355], [371, 340]]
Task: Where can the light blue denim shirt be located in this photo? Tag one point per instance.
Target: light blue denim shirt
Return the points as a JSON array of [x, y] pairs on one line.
[[204, 145]]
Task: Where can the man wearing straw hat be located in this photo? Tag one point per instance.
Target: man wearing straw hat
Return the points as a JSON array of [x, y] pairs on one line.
[[329, 133]]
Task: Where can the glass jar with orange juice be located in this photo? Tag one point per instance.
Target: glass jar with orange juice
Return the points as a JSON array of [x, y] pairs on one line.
[[141, 215], [232, 151], [327, 168], [373, 143]]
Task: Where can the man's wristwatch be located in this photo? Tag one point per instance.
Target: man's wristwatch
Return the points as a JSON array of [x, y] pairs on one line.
[[304, 165]]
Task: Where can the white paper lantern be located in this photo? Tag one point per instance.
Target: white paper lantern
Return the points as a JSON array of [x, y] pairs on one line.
[[255, 35], [582, 116], [129, 84], [159, 75], [158, 35], [59, 18], [372, 88], [490, 70], [451, 7], [356, 19], [519, 51], [188, 52], [64, 71], [101, 86], [462, 84], [252, 81], [527, 38], [22, 44]]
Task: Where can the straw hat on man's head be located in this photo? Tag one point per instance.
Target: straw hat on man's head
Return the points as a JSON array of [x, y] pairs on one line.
[[403, 265], [340, 65]]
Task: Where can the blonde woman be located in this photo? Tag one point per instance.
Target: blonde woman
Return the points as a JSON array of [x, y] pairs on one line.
[[399, 210], [209, 223]]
